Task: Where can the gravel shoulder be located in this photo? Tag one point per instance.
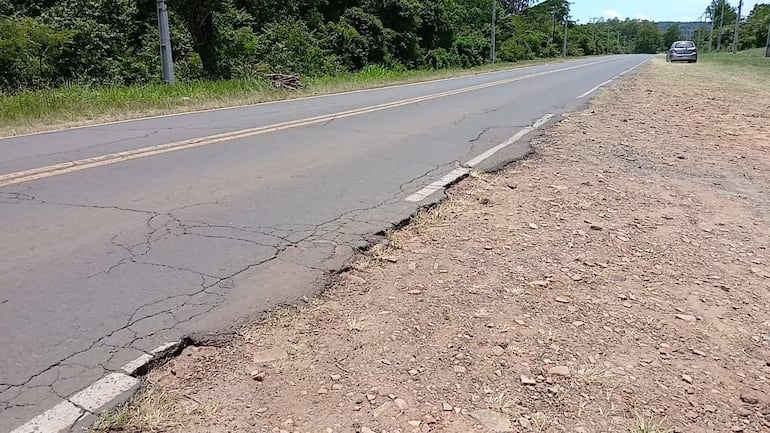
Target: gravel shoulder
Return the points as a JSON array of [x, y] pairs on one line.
[[617, 280]]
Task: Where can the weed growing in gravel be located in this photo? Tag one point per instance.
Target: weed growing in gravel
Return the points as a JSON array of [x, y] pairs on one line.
[[642, 424]]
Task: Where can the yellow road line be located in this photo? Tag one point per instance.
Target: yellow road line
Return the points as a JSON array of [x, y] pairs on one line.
[[113, 158]]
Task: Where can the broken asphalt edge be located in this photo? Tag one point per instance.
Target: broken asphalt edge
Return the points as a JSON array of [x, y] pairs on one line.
[[76, 413]]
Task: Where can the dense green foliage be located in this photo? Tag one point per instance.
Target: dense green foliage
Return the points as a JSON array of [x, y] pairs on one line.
[[50, 43]]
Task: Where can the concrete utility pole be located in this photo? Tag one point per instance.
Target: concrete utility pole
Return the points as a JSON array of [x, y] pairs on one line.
[[721, 26], [767, 46], [494, 13], [167, 64], [737, 27], [564, 45]]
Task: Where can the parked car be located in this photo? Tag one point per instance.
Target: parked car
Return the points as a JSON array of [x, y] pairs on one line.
[[682, 51]]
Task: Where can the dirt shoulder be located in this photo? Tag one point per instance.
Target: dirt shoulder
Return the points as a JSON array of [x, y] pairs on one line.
[[618, 280]]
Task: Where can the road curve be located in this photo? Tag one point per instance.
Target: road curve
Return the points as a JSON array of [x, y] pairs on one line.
[[117, 238]]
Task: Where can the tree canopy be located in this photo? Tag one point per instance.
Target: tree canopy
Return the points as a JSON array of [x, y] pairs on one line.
[[45, 43]]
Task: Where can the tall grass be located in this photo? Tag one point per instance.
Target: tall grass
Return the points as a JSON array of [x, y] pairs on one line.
[[73, 105]]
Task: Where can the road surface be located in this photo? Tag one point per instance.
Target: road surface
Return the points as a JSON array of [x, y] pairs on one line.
[[186, 225]]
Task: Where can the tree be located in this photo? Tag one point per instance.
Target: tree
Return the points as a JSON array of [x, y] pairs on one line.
[[671, 35], [649, 39]]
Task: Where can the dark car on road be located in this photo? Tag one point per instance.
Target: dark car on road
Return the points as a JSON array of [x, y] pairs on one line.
[[682, 51]]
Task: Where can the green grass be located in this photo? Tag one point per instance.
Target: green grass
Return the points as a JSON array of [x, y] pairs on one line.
[[78, 105], [754, 58]]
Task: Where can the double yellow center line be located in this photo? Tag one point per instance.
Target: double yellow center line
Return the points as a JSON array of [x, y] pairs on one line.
[[114, 158]]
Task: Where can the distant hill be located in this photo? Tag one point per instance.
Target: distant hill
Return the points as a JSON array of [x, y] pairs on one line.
[[687, 30]]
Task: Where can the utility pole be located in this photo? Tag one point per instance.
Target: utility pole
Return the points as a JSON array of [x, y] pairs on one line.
[[721, 26], [711, 32], [553, 33], [167, 64], [767, 46], [564, 45], [737, 27], [494, 13]]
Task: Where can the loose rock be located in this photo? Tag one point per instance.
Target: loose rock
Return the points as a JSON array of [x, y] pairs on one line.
[[492, 420]]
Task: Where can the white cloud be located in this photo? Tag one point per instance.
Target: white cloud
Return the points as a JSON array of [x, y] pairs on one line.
[[610, 14]]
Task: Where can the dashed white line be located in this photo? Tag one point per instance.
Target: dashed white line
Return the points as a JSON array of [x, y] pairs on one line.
[[595, 88]]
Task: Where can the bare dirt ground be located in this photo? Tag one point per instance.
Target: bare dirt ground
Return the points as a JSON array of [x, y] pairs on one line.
[[617, 280]]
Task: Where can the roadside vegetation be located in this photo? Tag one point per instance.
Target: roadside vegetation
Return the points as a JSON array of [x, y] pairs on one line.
[[79, 61], [623, 295]]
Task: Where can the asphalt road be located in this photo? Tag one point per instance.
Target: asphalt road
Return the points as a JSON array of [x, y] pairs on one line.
[[185, 225]]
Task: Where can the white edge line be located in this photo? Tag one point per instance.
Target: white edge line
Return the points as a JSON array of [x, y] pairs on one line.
[[95, 396], [58, 418], [458, 173], [437, 185], [103, 391], [593, 89], [97, 161], [304, 98]]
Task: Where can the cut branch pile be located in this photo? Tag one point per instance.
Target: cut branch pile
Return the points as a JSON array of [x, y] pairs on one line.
[[283, 81]]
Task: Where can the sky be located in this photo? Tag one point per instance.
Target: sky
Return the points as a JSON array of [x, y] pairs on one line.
[[655, 10]]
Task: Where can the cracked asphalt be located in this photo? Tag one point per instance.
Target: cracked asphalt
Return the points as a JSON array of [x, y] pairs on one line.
[[105, 264]]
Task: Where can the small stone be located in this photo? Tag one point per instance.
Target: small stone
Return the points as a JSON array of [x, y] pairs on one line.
[[492, 420], [262, 409], [366, 430], [686, 317], [539, 283], [737, 428], [627, 304], [380, 409], [257, 375], [415, 292], [356, 279], [429, 419], [519, 322], [336, 377], [371, 397], [525, 423], [596, 227], [533, 226], [458, 369], [580, 430], [413, 372], [710, 408], [687, 378], [698, 352], [447, 407], [560, 370], [400, 403], [743, 412], [270, 355], [528, 381], [591, 359], [323, 391], [414, 423], [561, 300], [498, 373], [336, 387], [750, 399], [578, 323], [498, 351]]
